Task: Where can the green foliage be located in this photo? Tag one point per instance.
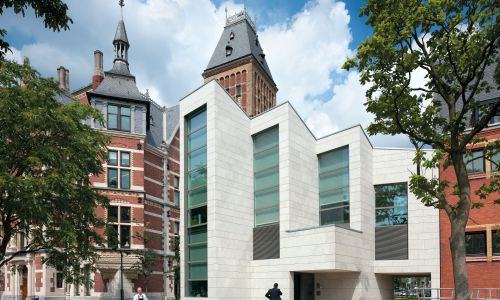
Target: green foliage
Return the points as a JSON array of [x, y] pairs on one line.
[[47, 154], [146, 259], [54, 14], [453, 43]]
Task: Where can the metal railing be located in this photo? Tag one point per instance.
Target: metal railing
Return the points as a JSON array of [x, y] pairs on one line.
[[449, 293]]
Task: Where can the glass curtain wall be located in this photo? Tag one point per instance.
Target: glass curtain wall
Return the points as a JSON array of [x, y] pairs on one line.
[[266, 176], [391, 201], [334, 187], [196, 178]]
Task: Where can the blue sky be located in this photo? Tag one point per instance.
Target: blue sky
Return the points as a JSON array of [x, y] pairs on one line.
[[306, 43]]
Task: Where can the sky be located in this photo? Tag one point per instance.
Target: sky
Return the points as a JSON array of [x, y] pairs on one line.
[[171, 41]]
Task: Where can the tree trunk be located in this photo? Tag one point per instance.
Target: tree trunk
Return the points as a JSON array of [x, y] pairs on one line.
[[460, 276], [458, 223]]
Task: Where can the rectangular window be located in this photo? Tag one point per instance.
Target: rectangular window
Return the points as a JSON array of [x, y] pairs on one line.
[[266, 176], [176, 182], [495, 239], [475, 161], [119, 176], [176, 228], [59, 280], [238, 90], [196, 203], [334, 187], [495, 162], [119, 217], [119, 117], [177, 196], [482, 109], [475, 244], [391, 201]]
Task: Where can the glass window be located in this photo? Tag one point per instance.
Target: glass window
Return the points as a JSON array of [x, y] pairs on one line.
[[113, 158], [112, 178], [475, 161], [266, 176], [176, 182], [495, 162], [196, 176], [496, 242], [120, 231], [113, 214], [125, 159], [119, 117], [124, 179], [238, 90], [475, 244], [124, 214], [125, 236], [334, 187], [391, 204], [59, 280], [177, 196]]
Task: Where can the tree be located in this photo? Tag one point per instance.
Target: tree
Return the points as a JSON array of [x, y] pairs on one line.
[[47, 154], [53, 12], [453, 43], [147, 258]]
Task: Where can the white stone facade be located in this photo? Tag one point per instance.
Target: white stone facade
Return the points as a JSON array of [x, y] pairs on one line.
[[343, 260]]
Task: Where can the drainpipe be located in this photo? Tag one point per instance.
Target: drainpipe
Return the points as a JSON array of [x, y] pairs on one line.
[[165, 207]]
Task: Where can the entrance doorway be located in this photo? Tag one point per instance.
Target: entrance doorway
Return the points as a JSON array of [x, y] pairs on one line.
[[303, 286], [24, 282]]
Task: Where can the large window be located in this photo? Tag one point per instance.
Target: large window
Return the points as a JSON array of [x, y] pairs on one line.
[[495, 162], [266, 176], [334, 186], [475, 243], [475, 161], [119, 117], [119, 169], [391, 201], [119, 232], [196, 189]]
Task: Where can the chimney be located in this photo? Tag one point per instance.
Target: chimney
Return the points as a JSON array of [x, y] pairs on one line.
[[98, 76], [66, 80], [63, 78]]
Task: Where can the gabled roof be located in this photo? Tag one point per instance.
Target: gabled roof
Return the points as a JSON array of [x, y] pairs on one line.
[[239, 35]]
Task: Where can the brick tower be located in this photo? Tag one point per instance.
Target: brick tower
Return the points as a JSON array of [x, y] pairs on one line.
[[239, 64]]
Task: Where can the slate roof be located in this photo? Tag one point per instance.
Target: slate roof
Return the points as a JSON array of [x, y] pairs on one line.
[[494, 91], [244, 43], [63, 98], [119, 86], [154, 136], [121, 33], [173, 117]]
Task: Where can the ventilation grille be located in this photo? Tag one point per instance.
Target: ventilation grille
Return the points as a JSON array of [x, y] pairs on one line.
[[266, 242], [391, 242]]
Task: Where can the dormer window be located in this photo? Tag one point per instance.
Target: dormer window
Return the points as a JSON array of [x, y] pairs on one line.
[[229, 50], [231, 35]]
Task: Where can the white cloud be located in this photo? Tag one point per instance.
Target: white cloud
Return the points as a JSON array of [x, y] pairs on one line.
[[172, 41]]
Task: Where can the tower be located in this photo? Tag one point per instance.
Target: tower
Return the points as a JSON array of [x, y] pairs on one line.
[[240, 66]]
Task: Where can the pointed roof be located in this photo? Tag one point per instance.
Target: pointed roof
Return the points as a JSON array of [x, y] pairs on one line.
[[121, 33], [238, 40]]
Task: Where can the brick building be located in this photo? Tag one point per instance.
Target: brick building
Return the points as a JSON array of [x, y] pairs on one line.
[[482, 240], [141, 179]]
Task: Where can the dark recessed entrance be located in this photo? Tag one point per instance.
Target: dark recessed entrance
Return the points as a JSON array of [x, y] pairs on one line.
[[303, 286]]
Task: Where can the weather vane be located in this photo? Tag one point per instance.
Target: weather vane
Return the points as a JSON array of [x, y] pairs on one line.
[[122, 4]]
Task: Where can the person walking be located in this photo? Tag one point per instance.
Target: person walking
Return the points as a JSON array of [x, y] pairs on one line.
[[140, 295], [274, 293]]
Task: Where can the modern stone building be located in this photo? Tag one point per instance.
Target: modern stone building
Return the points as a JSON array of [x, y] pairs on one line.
[[263, 200], [141, 180]]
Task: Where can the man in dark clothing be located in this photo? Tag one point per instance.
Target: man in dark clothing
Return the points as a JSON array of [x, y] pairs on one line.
[[274, 293]]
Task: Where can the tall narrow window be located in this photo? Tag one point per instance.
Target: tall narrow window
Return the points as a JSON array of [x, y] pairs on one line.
[[391, 202], [196, 190], [119, 219], [496, 242], [119, 172], [334, 186], [495, 162], [266, 176]]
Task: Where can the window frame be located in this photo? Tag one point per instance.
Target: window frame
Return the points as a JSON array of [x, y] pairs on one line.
[[336, 206], [119, 223], [495, 242], [119, 115], [476, 233], [120, 169], [470, 159], [378, 208]]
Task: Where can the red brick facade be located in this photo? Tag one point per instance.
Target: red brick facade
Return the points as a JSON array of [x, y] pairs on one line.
[[484, 271]]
